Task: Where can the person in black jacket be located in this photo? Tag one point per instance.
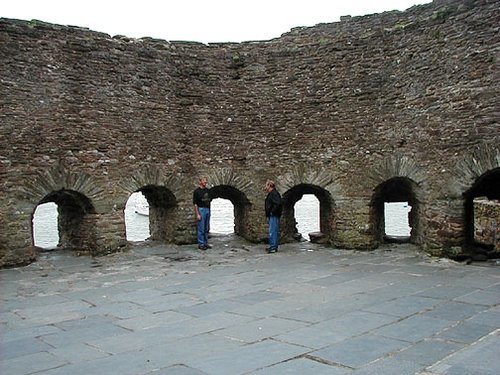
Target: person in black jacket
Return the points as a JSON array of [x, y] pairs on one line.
[[201, 201], [273, 207]]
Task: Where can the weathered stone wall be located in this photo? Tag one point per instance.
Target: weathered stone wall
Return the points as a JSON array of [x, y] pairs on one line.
[[337, 110], [487, 222]]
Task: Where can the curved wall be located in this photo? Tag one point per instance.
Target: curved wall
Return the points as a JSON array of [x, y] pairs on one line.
[[338, 108]]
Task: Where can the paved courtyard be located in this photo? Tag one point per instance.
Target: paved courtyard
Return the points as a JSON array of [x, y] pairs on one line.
[[165, 309]]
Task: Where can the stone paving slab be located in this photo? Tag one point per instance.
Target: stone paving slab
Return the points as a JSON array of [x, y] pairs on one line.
[[355, 352], [413, 329], [302, 366], [249, 358], [234, 309], [479, 358], [429, 351]]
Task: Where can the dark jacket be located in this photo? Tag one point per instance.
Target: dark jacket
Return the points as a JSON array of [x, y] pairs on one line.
[[201, 197], [273, 204]]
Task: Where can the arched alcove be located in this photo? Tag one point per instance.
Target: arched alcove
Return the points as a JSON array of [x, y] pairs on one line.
[[240, 203], [326, 207], [306, 215], [487, 186], [162, 203], [137, 218], [221, 216], [45, 227], [74, 223], [400, 190]]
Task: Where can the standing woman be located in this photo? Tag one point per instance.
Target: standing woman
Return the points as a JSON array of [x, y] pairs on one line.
[[273, 207]]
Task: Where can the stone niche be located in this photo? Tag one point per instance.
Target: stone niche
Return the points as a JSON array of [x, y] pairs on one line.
[[487, 223]]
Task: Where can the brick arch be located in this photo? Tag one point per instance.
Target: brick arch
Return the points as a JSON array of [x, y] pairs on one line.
[[161, 191], [394, 166], [396, 189], [396, 178], [58, 178], [482, 159], [321, 183], [303, 175], [78, 196], [229, 177], [477, 175], [228, 184], [153, 176]]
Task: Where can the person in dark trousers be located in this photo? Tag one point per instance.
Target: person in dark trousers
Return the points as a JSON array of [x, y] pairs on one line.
[[273, 207], [201, 201]]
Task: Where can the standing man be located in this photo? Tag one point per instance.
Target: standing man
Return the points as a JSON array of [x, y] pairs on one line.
[[273, 207], [201, 201]]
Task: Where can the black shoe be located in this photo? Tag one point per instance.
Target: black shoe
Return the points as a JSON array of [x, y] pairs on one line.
[[201, 247], [271, 250], [207, 246]]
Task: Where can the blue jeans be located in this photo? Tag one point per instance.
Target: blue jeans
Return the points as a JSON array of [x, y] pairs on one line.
[[203, 226], [274, 232]]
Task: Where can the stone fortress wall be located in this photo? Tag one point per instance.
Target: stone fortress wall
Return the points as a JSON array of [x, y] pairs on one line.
[[398, 106]]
